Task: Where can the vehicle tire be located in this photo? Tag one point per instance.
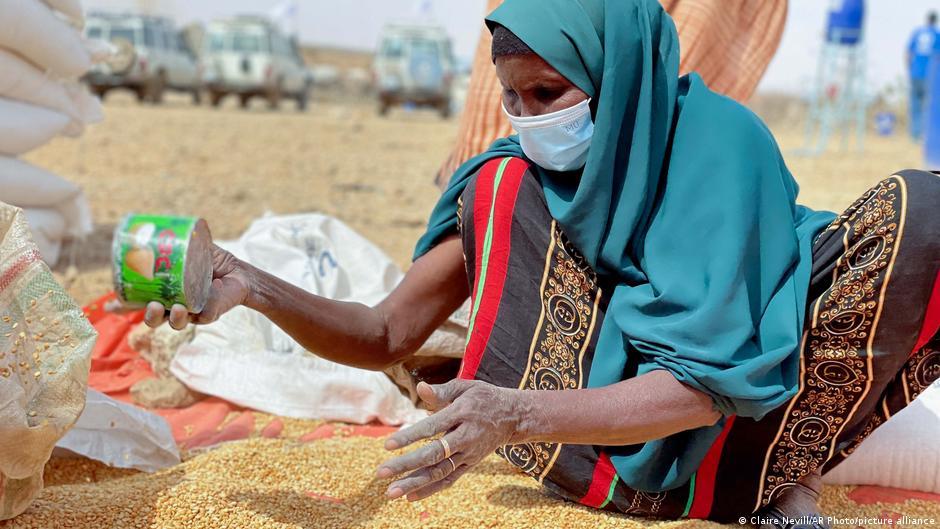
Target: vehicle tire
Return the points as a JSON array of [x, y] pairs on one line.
[[141, 93], [302, 100], [243, 100], [216, 97], [156, 88], [444, 108], [197, 96], [274, 96], [100, 91], [384, 106]]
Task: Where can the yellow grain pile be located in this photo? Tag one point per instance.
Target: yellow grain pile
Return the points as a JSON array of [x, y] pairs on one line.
[[320, 485]]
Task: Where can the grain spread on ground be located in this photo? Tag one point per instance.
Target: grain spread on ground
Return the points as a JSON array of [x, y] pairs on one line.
[[279, 484]]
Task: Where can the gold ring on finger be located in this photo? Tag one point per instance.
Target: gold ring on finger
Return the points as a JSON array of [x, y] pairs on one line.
[[447, 452]]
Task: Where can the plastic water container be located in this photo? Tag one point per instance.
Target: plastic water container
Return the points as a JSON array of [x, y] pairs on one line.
[[932, 112], [845, 20], [885, 122]]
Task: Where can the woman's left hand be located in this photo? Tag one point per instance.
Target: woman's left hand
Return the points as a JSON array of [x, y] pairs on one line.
[[476, 418]]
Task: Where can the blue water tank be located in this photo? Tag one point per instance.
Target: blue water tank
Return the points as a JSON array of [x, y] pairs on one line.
[[845, 20], [932, 112]]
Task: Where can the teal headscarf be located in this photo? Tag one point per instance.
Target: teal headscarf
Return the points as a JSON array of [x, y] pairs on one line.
[[685, 202]]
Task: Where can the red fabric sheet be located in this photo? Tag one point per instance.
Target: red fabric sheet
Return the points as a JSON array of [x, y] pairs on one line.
[[115, 367]]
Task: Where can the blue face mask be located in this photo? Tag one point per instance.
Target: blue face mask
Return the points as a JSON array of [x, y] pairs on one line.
[[558, 141]]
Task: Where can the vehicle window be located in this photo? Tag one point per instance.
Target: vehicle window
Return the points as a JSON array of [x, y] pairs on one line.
[[295, 53], [168, 38], [448, 52], [93, 32], [150, 39], [393, 48], [181, 44], [216, 41], [249, 43], [423, 47], [129, 34], [158, 41]]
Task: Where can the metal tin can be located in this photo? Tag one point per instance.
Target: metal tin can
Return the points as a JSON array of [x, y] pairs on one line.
[[162, 258]]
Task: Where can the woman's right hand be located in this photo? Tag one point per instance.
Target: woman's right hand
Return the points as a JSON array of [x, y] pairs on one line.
[[230, 288]]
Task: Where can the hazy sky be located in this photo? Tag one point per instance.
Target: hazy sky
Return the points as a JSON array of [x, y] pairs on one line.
[[356, 24]]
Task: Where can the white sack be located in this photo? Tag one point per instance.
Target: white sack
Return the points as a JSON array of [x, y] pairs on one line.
[[901, 453], [31, 29], [28, 186], [246, 359], [21, 81], [70, 9], [47, 227], [24, 127], [120, 435]]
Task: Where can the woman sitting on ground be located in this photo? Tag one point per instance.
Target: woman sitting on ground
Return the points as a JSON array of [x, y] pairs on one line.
[[638, 246]]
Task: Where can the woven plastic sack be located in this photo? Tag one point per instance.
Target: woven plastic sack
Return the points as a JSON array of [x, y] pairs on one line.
[[22, 81], [45, 352], [27, 186], [31, 29], [25, 127], [70, 9], [243, 357]]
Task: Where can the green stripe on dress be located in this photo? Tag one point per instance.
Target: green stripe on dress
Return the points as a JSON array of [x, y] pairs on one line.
[[487, 246], [688, 504], [610, 493]]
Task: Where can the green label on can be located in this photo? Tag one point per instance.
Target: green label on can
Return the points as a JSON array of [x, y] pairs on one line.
[[150, 255]]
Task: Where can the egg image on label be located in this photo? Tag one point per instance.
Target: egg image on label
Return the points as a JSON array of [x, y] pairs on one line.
[[143, 233], [141, 260]]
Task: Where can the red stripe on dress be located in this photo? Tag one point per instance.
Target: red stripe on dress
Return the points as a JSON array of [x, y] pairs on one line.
[[706, 474], [604, 473], [498, 255], [931, 317]]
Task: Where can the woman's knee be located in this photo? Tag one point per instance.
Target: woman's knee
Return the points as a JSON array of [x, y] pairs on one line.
[[922, 197]]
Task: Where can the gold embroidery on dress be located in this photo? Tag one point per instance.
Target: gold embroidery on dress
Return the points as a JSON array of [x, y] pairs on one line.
[[646, 503], [570, 297], [836, 373], [920, 371]]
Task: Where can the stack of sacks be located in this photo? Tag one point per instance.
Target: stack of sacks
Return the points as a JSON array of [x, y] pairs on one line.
[[42, 55]]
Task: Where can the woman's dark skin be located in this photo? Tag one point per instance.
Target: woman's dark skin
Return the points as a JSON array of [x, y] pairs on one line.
[[475, 417]]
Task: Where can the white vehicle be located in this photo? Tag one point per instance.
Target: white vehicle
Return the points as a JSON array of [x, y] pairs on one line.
[[414, 65], [160, 58], [249, 57]]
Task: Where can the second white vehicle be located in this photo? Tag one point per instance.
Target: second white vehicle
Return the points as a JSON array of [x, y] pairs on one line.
[[250, 57], [160, 59]]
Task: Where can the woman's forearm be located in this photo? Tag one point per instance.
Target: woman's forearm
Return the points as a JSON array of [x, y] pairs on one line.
[[641, 409], [349, 333], [361, 336]]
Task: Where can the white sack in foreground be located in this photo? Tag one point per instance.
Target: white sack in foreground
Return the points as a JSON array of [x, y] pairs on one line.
[[246, 359]]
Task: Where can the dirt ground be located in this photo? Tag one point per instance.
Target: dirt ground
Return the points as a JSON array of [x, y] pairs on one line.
[[232, 166]]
